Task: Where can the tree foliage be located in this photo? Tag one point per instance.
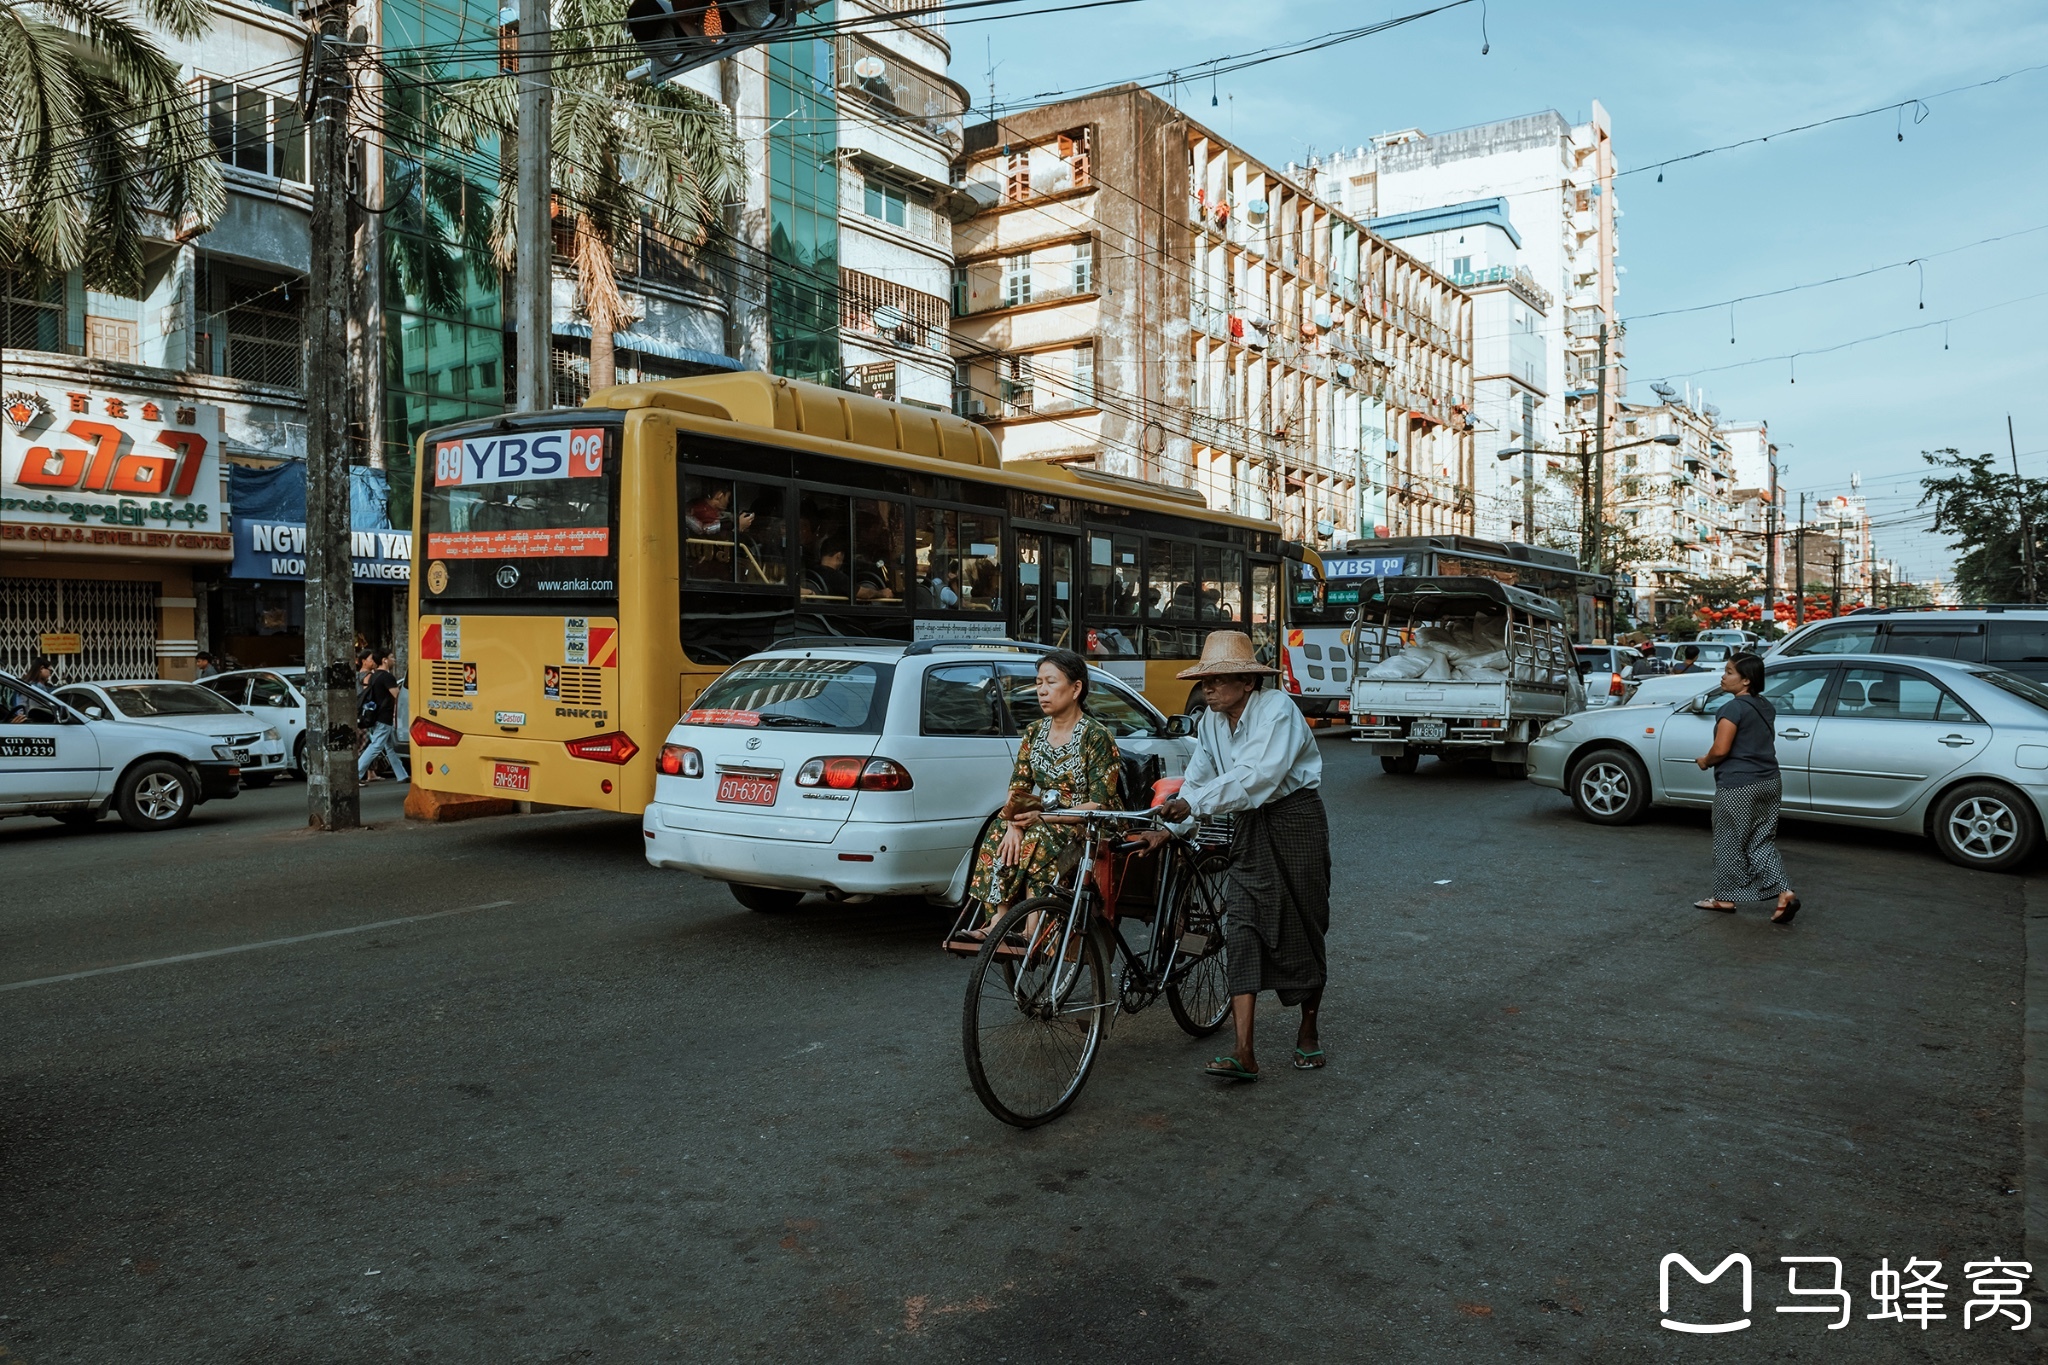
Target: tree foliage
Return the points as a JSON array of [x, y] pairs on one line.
[[100, 134], [1978, 508], [625, 154]]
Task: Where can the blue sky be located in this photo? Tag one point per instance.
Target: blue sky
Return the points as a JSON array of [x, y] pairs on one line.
[[1798, 208]]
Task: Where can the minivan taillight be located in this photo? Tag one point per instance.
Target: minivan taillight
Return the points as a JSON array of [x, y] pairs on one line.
[[429, 735], [1616, 687], [680, 760], [612, 748], [855, 774]]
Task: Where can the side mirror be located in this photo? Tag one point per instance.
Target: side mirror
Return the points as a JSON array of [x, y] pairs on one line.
[[1696, 707], [97, 713], [1180, 725]]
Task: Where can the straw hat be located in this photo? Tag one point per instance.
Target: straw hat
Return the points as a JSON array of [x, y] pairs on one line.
[[1226, 652]]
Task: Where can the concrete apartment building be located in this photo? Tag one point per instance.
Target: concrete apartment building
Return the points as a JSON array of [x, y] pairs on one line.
[[1679, 499], [164, 385], [1137, 295], [1549, 183]]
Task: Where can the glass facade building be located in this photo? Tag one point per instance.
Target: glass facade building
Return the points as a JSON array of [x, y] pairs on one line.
[[803, 207]]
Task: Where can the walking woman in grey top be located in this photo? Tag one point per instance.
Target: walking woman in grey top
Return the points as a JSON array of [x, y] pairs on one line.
[[1746, 794]]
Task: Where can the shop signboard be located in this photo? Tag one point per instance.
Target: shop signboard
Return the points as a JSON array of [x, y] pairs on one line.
[[122, 473], [277, 550]]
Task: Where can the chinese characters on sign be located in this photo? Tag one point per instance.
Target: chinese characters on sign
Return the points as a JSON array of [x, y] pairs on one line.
[[1911, 1295]]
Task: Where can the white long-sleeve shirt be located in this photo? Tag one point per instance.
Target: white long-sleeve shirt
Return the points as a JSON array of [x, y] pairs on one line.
[[1270, 754]]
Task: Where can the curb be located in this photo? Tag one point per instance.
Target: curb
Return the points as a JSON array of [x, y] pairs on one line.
[[2034, 1075]]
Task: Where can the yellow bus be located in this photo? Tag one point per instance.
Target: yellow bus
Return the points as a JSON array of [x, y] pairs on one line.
[[581, 575]]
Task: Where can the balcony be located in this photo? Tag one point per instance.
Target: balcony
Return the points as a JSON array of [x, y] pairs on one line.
[[898, 93], [892, 312]]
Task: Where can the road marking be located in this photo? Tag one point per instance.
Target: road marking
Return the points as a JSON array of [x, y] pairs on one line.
[[249, 947]]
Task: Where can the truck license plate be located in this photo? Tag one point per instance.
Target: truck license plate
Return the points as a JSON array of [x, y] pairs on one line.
[[1426, 730], [512, 777], [747, 789]]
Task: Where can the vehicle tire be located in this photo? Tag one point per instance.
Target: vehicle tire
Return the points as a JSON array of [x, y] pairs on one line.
[[299, 759], [1401, 763], [257, 781], [1031, 1026], [82, 818], [1196, 706], [1510, 768], [767, 900], [1200, 1000], [1985, 825], [156, 794], [1610, 787]]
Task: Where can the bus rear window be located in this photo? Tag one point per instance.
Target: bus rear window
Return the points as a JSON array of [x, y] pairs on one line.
[[522, 514], [796, 694]]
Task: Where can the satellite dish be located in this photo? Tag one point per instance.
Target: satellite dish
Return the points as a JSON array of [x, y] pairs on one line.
[[869, 68], [1345, 371], [889, 317], [1664, 391]]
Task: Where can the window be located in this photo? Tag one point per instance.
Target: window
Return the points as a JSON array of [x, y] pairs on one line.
[[1125, 717], [1170, 580], [256, 131], [734, 531], [824, 544], [31, 313], [1084, 267], [959, 291], [1222, 584], [2018, 642], [250, 323], [1860, 638], [960, 700], [235, 690], [1115, 593], [1016, 280], [1461, 265], [268, 690], [1796, 691], [959, 560], [1935, 643], [1885, 694], [817, 694], [882, 200]]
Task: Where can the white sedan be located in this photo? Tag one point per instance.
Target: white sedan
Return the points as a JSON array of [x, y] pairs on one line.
[[235, 734], [1956, 752], [861, 768]]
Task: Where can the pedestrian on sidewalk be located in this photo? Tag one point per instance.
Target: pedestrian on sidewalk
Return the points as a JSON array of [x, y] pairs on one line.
[[1256, 758], [380, 699], [1747, 790]]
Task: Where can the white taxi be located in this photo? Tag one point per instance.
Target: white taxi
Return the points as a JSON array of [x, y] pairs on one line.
[[860, 768], [234, 733]]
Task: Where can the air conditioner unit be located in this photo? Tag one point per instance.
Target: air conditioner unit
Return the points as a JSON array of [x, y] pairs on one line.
[[977, 408]]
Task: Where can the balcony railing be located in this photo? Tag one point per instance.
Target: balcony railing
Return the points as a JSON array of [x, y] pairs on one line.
[[894, 312], [897, 92]]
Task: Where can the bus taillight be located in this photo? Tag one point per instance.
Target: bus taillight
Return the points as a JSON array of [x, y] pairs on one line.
[[429, 735], [612, 748]]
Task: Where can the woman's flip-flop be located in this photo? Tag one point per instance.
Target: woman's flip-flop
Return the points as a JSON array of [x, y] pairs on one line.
[[1308, 1061], [1229, 1069], [1722, 906], [1784, 913]]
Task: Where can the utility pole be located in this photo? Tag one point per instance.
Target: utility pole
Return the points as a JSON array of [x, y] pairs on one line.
[[1599, 564], [1835, 592], [331, 795], [1799, 566], [1769, 615], [533, 289], [2026, 529]]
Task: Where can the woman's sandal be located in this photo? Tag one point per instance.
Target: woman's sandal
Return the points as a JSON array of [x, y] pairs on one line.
[[1308, 1061], [1228, 1069], [1725, 907], [1784, 913]]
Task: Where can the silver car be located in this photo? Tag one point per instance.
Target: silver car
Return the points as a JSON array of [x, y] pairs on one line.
[[1954, 751]]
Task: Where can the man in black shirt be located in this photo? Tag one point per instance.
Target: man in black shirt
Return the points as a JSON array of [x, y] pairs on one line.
[[380, 700]]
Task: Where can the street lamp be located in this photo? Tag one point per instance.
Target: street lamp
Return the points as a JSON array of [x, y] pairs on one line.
[[1591, 529]]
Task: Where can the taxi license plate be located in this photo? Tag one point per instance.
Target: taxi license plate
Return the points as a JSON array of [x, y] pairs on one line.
[[512, 777], [1426, 730], [242, 757], [747, 789]]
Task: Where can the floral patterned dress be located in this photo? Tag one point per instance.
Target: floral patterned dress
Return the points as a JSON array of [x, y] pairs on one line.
[[1082, 769]]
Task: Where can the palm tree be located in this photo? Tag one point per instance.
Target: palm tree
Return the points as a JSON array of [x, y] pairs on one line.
[[626, 155], [99, 133]]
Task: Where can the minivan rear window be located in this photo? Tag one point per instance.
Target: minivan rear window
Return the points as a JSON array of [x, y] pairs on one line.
[[796, 694]]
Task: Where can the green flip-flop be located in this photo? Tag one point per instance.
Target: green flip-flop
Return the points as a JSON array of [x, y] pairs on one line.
[[1308, 1061], [1228, 1069]]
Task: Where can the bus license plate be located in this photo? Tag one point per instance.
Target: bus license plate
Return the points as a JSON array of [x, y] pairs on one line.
[[512, 777], [745, 789], [1426, 730]]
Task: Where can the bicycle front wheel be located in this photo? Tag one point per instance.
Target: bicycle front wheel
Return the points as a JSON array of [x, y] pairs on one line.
[[1199, 997], [1032, 1022]]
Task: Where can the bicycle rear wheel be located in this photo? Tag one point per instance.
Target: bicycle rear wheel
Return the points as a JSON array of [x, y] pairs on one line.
[[1031, 1024], [1199, 998]]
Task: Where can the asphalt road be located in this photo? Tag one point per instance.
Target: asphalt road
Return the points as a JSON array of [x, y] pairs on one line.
[[590, 1111]]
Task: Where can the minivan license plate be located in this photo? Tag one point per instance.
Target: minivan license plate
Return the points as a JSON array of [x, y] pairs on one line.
[[747, 789], [1426, 729], [512, 777]]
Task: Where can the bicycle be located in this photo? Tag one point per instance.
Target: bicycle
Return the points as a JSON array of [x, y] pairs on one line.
[[1038, 996]]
